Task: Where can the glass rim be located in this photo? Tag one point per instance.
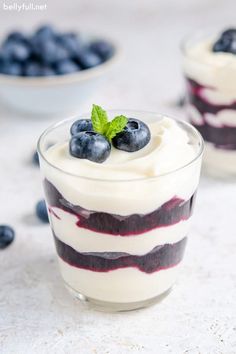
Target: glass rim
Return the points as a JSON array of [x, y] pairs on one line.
[[158, 115]]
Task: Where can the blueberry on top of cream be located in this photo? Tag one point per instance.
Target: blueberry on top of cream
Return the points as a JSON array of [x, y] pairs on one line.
[[81, 125], [134, 137], [226, 42], [91, 146]]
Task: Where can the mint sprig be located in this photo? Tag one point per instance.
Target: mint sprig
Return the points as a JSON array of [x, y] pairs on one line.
[[102, 126], [99, 119]]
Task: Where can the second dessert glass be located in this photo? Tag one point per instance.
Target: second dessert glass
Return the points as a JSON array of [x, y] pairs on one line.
[[120, 243], [211, 100]]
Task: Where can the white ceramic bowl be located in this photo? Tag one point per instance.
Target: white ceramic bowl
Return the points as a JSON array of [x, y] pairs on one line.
[[62, 94]]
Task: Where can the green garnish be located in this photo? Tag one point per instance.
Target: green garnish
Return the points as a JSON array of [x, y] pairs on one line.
[[102, 126]]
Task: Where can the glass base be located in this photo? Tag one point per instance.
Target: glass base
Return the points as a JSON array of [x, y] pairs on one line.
[[106, 306]]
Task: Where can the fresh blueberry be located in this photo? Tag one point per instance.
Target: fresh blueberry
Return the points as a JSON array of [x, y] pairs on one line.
[[134, 137], [227, 42], [41, 211], [181, 101], [81, 125], [103, 48], [61, 53], [11, 68], [35, 69], [35, 158], [47, 71], [72, 43], [2, 61], [16, 36], [7, 235], [222, 45], [45, 50], [48, 51], [232, 48], [45, 32], [90, 145], [15, 51], [87, 59], [229, 33], [67, 67], [32, 68]]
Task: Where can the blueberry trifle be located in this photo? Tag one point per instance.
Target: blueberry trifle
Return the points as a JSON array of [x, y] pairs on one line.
[[210, 71], [120, 194]]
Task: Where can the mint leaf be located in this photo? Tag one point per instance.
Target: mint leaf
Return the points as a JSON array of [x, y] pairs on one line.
[[99, 119], [102, 126], [115, 126]]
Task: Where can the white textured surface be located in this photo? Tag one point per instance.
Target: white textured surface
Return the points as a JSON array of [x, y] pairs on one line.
[[37, 315]]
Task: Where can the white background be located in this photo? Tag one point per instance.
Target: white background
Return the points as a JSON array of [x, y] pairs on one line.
[[37, 315]]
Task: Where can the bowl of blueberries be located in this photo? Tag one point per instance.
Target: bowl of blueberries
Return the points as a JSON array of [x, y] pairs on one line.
[[51, 72]]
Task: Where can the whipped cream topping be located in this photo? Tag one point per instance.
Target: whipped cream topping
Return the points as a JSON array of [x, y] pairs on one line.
[[217, 70], [168, 149]]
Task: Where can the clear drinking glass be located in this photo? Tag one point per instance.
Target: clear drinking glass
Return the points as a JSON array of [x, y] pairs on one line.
[[120, 243], [211, 96]]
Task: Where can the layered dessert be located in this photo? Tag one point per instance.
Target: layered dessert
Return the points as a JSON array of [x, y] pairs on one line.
[[120, 197], [210, 71]]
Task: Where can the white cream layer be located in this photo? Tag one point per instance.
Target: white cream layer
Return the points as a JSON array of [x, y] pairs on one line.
[[216, 97], [225, 117], [217, 70], [219, 162], [168, 150], [83, 240], [121, 285]]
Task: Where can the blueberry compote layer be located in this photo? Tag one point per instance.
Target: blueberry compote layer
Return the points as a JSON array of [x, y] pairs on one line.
[[222, 137], [169, 213], [161, 257]]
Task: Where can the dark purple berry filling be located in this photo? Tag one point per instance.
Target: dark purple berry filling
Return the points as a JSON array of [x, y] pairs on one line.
[[223, 137], [169, 213], [161, 257], [201, 103]]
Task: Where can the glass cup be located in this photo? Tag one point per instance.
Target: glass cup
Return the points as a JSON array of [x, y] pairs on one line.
[[120, 243], [211, 97]]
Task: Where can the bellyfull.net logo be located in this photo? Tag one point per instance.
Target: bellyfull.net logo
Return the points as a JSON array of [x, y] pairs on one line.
[[24, 7]]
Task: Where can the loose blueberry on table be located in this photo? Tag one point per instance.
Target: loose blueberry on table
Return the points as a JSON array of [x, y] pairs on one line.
[[35, 158], [48, 52], [41, 211], [7, 235], [226, 42], [93, 138]]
